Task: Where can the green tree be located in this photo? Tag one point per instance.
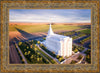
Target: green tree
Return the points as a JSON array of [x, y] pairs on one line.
[[29, 52], [38, 42], [41, 58], [35, 49], [38, 59], [44, 38], [27, 47], [20, 43], [75, 50], [24, 49], [25, 53], [60, 59], [35, 45], [31, 46], [57, 56], [31, 56]]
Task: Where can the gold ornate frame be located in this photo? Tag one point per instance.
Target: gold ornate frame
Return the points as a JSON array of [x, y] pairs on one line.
[[72, 4]]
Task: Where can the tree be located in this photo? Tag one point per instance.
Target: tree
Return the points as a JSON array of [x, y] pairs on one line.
[[44, 38], [57, 56], [35, 41], [38, 53], [38, 42], [31, 46], [88, 59], [32, 40], [35, 49], [75, 50], [34, 45], [19, 43], [38, 59], [41, 58], [31, 56], [60, 59], [24, 49], [27, 47], [25, 53], [29, 52], [22, 60]]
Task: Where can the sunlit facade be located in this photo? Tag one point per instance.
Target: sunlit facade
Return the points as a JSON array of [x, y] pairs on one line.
[[61, 45]]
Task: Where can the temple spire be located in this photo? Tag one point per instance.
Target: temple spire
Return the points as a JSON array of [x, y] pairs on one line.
[[50, 32]]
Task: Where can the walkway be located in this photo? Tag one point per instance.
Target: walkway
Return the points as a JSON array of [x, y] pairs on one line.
[[21, 54]]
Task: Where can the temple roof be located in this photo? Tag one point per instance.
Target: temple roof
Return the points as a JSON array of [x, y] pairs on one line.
[[52, 35], [57, 37], [50, 32]]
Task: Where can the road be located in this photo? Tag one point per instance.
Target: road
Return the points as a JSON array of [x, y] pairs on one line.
[[21, 54], [14, 57]]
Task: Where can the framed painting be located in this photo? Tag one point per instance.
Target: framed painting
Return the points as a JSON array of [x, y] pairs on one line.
[[49, 36]]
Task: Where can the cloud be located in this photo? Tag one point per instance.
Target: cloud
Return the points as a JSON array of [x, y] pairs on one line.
[[50, 15]]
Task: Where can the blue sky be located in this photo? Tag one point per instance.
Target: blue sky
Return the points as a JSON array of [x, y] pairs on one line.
[[50, 15]]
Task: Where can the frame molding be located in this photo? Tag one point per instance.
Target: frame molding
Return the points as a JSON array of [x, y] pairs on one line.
[[6, 5]]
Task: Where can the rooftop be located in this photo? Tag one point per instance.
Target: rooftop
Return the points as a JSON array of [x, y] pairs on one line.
[[57, 37], [54, 36]]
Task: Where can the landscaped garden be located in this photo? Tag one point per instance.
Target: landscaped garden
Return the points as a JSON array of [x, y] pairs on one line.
[[88, 55], [76, 48], [33, 54]]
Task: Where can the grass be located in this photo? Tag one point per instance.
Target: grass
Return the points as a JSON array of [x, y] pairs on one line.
[[50, 59], [86, 31], [43, 28]]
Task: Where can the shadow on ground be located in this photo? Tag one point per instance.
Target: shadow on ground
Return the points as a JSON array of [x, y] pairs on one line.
[[26, 36]]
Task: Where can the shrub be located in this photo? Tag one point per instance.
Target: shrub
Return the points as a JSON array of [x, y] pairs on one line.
[[75, 50]]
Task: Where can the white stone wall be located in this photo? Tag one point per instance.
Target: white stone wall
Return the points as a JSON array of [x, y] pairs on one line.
[[62, 48], [53, 45]]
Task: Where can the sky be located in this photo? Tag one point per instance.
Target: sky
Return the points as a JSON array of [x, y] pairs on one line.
[[50, 15]]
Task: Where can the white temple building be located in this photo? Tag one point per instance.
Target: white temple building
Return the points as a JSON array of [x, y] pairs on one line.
[[61, 45]]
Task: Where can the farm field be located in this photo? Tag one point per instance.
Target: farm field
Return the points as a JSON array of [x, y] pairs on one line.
[[43, 28]]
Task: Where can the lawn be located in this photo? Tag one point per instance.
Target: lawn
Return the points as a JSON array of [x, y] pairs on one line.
[[86, 31], [43, 28]]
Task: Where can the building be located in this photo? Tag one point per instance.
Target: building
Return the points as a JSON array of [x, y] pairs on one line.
[[61, 45]]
